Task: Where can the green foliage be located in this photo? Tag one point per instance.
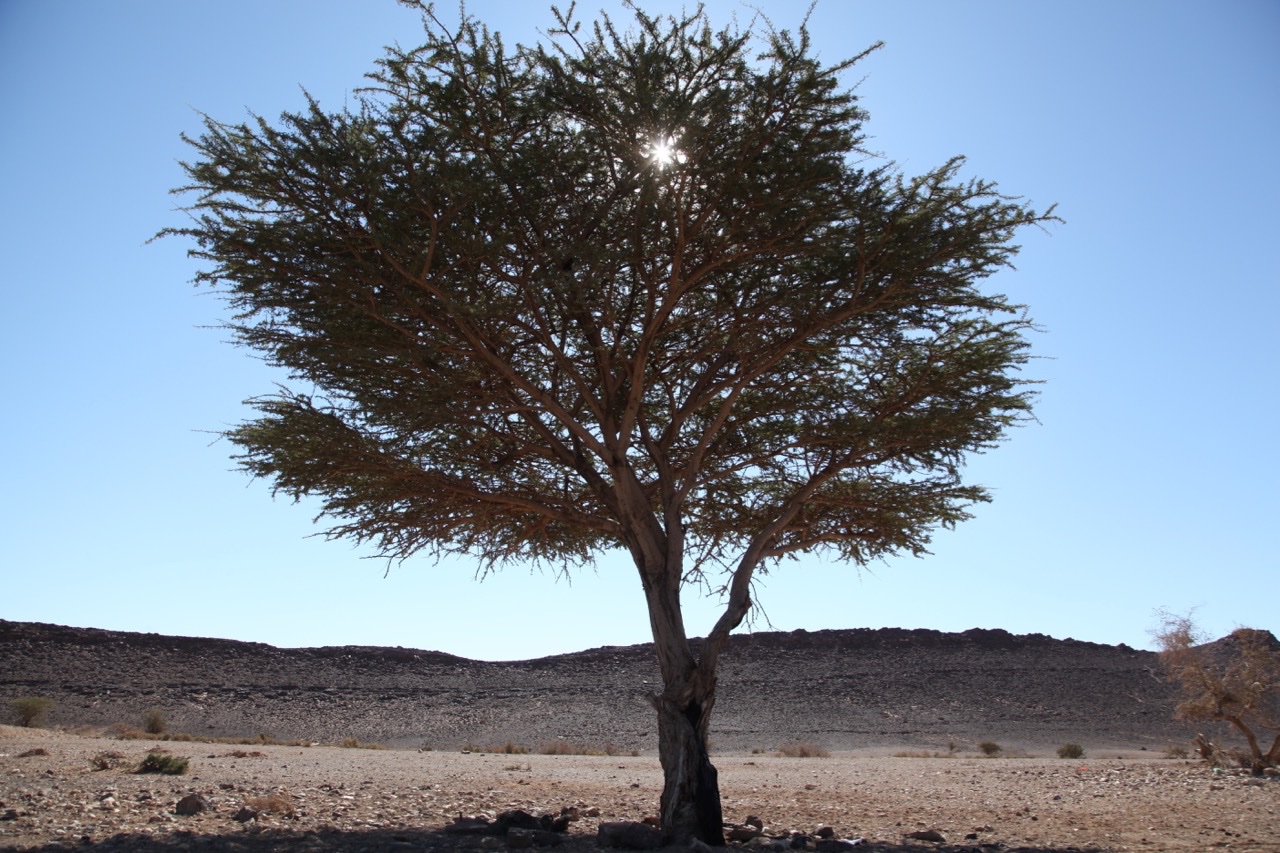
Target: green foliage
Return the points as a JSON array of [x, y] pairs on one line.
[[154, 722], [29, 711], [520, 322], [990, 748], [1071, 750], [156, 762]]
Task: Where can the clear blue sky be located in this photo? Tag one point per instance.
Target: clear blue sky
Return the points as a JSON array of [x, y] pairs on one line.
[[1150, 481]]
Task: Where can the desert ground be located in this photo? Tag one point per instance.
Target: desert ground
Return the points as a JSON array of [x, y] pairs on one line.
[[53, 796]]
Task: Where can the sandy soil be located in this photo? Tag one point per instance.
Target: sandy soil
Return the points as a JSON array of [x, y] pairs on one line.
[[329, 798]]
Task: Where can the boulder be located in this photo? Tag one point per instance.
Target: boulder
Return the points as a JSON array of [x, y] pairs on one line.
[[192, 804]]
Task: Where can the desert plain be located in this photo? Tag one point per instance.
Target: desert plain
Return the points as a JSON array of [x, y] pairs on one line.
[[902, 715]]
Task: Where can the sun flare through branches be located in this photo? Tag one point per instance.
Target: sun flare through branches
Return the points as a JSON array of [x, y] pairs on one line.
[[664, 153]]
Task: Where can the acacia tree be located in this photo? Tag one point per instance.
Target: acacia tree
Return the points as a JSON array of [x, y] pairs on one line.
[[1235, 680], [628, 288]]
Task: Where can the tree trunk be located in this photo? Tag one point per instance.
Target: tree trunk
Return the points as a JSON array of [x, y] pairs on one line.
[[691, 789]]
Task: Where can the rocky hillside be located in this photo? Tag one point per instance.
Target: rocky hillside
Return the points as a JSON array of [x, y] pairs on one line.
[[846, 689]]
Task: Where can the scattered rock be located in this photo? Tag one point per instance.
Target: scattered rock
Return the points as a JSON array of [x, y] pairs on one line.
[[245, 815], [31, 753], [742, 833], [630, 835], [837, 845]]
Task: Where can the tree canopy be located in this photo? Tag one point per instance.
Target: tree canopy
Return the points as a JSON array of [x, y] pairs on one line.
[[635, 287]]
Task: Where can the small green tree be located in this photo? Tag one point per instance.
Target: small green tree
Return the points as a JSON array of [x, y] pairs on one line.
[[638, 290], [28, 710], [154, 721], [1235, 680], [1071, 750]]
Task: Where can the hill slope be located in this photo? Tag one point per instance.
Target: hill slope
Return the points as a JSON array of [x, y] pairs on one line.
[[844, 689]]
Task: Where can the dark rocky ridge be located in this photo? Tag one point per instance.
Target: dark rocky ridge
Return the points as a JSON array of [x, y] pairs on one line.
[[843, 689]]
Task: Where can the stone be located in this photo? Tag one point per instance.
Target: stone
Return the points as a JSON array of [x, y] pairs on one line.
[[630, 835], [927, 835], [742, 833], [472, 826], [518, 839], [825, 832], [192, 804], [837, 845], [547, 838], [753, 820], [551, 823], [245, 815], [516, 819]]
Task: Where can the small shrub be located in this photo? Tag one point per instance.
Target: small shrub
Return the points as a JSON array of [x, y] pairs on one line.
[[990, 749], [156, 762], [31, 753], [29, 710], [1175, 751], [153, 722], [803, 749], [1071, 750]]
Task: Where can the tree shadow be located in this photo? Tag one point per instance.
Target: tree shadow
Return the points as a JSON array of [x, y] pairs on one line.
[[401, 840]]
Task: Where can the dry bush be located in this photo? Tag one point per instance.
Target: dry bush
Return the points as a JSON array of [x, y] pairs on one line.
[[107, 760], [278, 802], [990, 748], [1071, 750], [1235, 680], [157, 762], [803, 749], [354, 743], [32, 753], [559, 746], [508, 748]]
